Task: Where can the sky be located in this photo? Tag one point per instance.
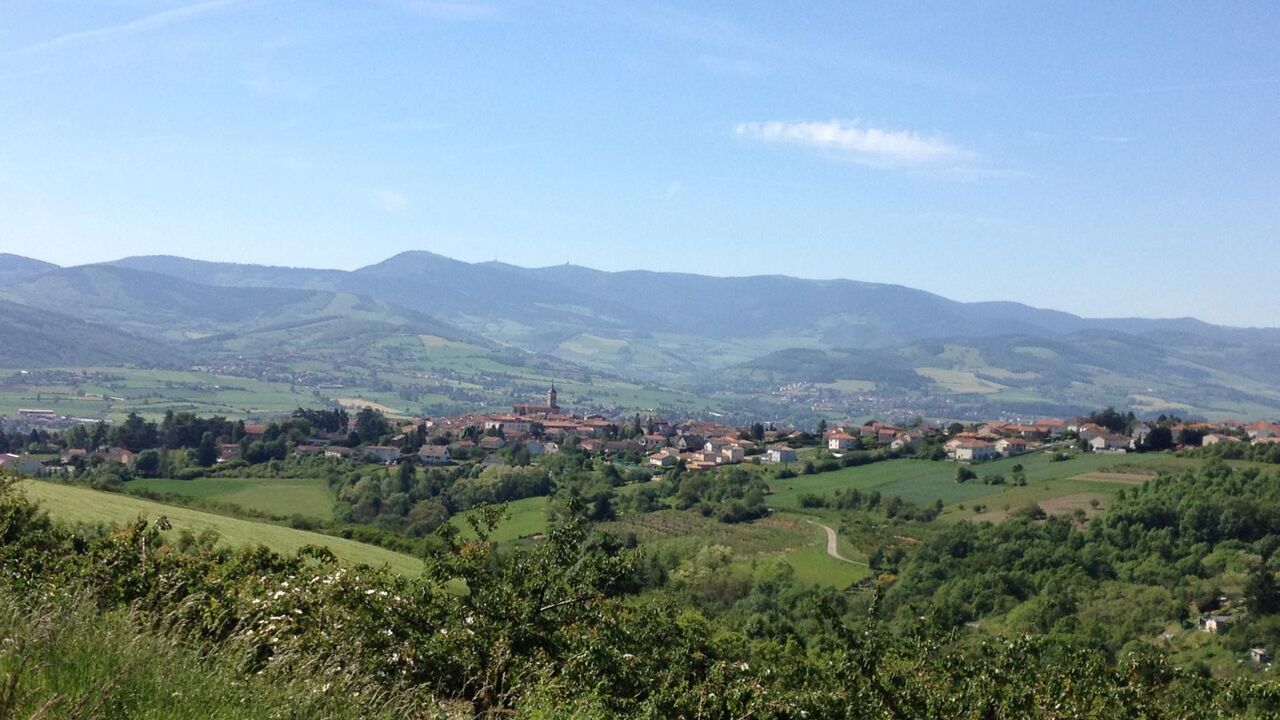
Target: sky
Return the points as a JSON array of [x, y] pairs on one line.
[[1108, 159]]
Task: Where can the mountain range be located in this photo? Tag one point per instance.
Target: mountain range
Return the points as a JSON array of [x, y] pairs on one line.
[[840, 340]]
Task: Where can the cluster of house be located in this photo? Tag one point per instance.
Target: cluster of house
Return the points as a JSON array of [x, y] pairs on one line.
[[1000, 439], [544, 427], [40, 465], [843, 438], [1261, 432]]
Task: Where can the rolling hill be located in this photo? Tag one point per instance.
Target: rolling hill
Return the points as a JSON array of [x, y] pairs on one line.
[[41, 338], [180, 310], [736, 338]]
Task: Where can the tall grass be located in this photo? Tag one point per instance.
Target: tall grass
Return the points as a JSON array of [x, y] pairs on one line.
[[61, 658]]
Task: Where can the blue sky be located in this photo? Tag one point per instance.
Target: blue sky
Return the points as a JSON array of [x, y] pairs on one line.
[[1103, 158]]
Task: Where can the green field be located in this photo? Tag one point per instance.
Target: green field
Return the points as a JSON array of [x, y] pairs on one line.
[[110, 393], [525, 518], [924, 481], [279, 497], [755, 545], [81, 505]]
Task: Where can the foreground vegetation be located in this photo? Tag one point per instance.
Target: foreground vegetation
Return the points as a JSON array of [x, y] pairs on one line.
[[581, 626]]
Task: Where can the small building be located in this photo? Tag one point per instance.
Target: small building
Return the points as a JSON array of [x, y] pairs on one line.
[[1011, 446], [307, 450], [434, 455], [1215, 623], [337, 451], [1261, 656], [492, 443], [667, 457], [119, 456], [228, 452], [1109, 443], [974, 451], [840, 441], [384, 454], [1215, 438], [905, 440], [689, 442], [731, 454], [25, 465], [779, 454]]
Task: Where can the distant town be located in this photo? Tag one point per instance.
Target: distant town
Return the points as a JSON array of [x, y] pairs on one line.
[[40, 442]]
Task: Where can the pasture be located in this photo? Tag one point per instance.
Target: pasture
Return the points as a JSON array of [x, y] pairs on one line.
[[524, 518], [82, 505], [923, 481], [279, 497]]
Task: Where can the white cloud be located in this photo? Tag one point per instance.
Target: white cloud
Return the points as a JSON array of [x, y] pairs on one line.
[[153, 21], [868, 145]]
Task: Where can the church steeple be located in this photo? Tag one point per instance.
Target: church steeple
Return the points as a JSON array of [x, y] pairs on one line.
[[551, 398]]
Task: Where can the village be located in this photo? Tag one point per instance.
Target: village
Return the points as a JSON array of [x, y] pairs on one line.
[[533, 429]]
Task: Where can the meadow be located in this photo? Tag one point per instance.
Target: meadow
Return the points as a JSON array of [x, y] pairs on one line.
[[278, 497], [524, 518], [82, 505], [924, 481]]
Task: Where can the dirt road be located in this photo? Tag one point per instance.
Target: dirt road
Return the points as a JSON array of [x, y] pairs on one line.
[[833, 548]]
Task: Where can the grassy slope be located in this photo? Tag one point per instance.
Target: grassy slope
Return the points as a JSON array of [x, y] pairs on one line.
[[281, 497], [81, 505], [524, 518], [923, 481]]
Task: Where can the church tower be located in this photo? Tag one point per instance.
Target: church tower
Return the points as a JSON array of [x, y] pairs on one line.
[[551, 398]]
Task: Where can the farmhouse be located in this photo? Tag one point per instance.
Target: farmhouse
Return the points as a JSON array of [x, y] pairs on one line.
[[778, 454], [1109, 443], [384, 454], [434, 455], [1011, 446], [666, 457], [1215, 438], [119, 456], [840, 441], [974, 451]]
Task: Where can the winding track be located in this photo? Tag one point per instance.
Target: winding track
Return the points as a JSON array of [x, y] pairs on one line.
[[832, 546]]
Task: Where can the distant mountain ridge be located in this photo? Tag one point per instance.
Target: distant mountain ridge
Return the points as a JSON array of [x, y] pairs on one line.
[[745, 335], [858, 314]]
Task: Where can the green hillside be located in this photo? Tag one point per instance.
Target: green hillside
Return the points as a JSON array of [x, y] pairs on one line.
[[81, 505]]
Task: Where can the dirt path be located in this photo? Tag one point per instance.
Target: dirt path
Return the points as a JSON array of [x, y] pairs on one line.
[[832, 544]]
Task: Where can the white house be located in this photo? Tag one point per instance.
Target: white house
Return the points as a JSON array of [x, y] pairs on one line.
[[1109, 443], [974, 451], [778, 454], [840, 441], [665, 457], [1011, 446], [434, 455]]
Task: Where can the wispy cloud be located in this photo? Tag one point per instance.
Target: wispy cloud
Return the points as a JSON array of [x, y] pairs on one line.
[[1169, 89], [454, 9], [867, 145], [1113, 139], [154, 21], [389, 200]]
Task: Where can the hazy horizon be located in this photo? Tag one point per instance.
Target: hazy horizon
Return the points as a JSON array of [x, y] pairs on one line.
[[1097, 159], [625, 270]]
